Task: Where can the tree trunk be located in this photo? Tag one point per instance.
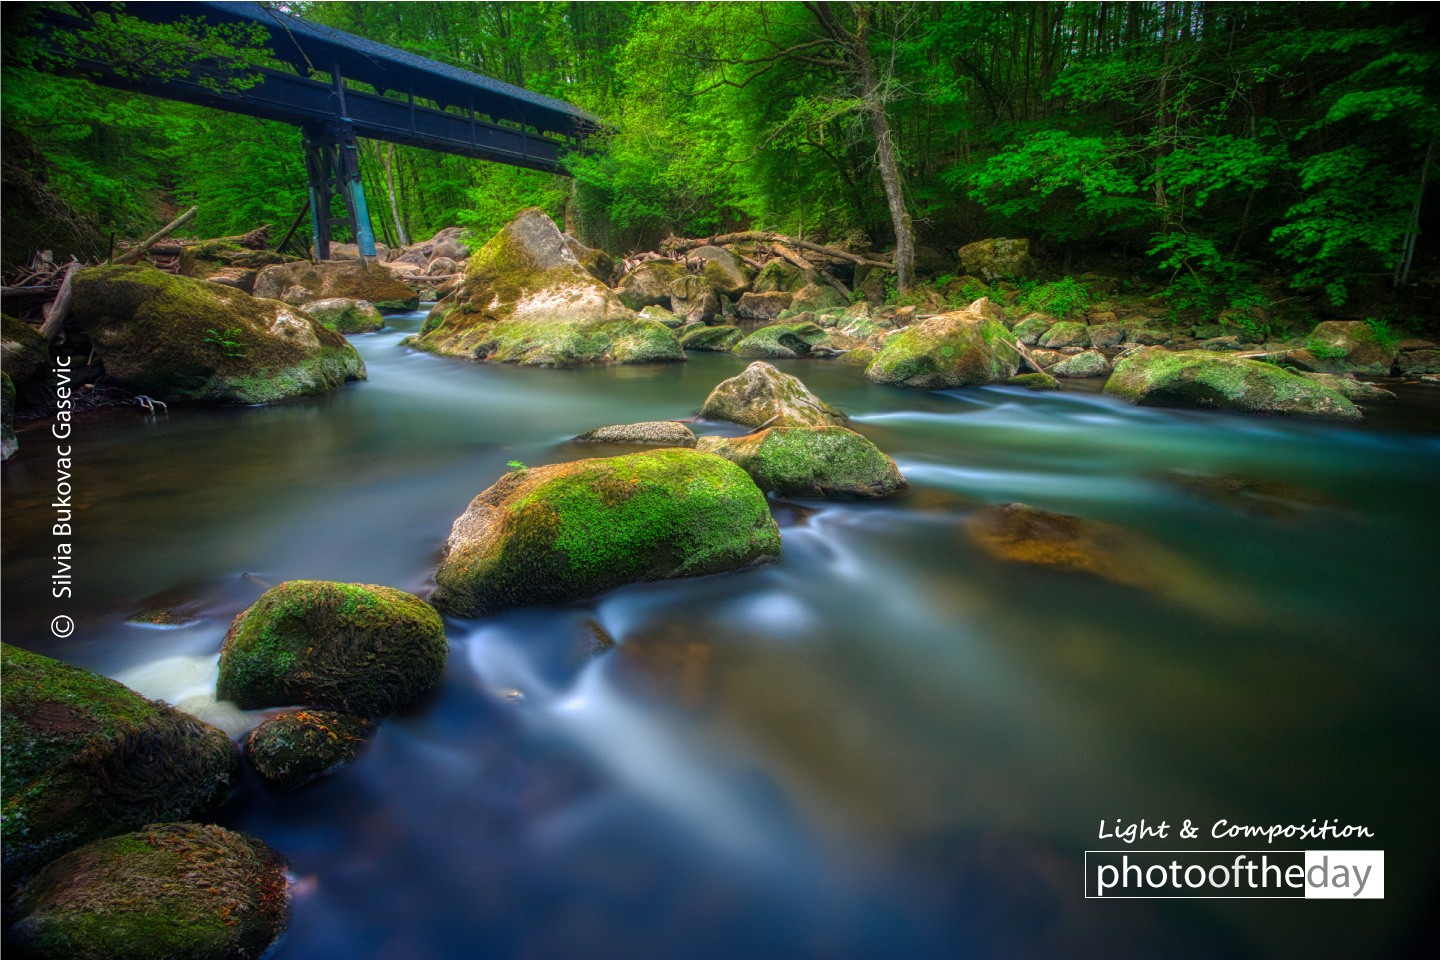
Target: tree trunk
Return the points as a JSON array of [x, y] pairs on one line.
[[387, 161], [889, 169]]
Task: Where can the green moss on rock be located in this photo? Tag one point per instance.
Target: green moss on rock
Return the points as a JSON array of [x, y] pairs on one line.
[[1200, 378], [179, 339], [720, 339], [1066, 333], [961, 349], [360, 648], [783, 341], [85, 757], [833, 462], [345, 316], [172, 891], [293, 749], [1034, 381], [575, 530]]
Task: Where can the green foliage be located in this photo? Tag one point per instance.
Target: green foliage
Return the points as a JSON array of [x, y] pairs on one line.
[[1061, 299], [226, 342], [516, 465], [1323, 349], [1385, 336]]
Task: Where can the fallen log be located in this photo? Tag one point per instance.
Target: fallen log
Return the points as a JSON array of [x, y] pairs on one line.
[[57, 310], [138, 251], [676, 245]]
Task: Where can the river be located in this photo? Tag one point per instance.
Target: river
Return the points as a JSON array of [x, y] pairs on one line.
[[886, 745]]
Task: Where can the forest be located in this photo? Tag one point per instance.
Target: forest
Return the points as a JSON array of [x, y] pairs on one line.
[[1233, 151]]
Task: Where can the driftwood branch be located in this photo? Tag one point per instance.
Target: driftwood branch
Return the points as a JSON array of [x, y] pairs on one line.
[[138, 251], [675, 245], [57, 310]]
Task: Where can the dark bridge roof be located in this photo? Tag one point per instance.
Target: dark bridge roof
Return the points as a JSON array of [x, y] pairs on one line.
[[311, 46]]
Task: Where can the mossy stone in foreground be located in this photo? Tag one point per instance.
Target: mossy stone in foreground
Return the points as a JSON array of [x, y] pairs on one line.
[[1201, 378], [575, 530], [171, 891], [721, 339], [179, 339], [831, 462], [961, 349], [292, 749], [344, 315], [1034, 381], [85, 757], [360, 648], [763, 396]]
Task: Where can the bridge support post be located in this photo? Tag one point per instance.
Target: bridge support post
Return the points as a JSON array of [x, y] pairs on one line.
[[332, 167]]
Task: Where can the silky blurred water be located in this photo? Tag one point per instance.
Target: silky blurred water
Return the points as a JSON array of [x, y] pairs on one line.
[[886, 745]]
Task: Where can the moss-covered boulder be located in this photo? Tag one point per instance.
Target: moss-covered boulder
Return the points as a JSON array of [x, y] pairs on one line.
[[721, 339], [1154, 377], [344, 315], [179, 339], [1066, 333], [1088, 363], [292, 749], [1029, 330], [1356, 391], [725, 272], [9, 443], [810, 462], [816, 297], [693, 299], [762, 396], [663, 316], [23, 352], [764, 307], [1418, 361], [85, 757], [1108, 335], [575, 530], [360, 648], [662, 433], [961, 349], [303, 282], [526, 299], [597, 263], [1034, 381], [783, 341], [167, 892], [781, 276], [648, 283], [1349, 346], [997, 259]]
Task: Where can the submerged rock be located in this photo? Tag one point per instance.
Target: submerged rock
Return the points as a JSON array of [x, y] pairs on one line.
[[961, 349], [1273, 499], [171, 890], [85, 757], [293, 749], [1152, 376], [782, 341], [763, 396], [574, 530], [664, 433], [359, 648], [344, 315], [1021, 533], [526, 299], [178, 339], [811, 462], [303, 282], [720, 339]]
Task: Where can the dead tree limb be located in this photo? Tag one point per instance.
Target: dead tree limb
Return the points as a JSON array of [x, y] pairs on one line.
[[138, 251], [58, 309]]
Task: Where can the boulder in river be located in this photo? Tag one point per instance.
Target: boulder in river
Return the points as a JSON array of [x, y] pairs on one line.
[[1066, 333], [575, 530], [662, 433], [764, 307], [1029, 330], [171, 890], [721, 339], [178, 339], [781, 276], [297, 283], [526, 299], [344, 315], [1154, 377], [648, 283], [597, 263], [360, 648], [997, 259], [1356, 391], [833, 462], [1089, 363], [782, 341], [762, 396], [1034, 381], [693, 299], [85, 757], [292, 749], [960, 349], [725, 272], [1349, 346]]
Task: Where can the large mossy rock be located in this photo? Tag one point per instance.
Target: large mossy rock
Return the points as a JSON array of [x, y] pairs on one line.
[[344, 315], [1154, 377], [783, 341], [526, 299], [290, 750], [1349, 346], [762, 396], [178, 339], [596, 262], [172, 891], [961, 349], [997, 259], [298, 283], [726, 272], [693, 299], [781, 276], [575, 530], [23, 352], [360, 648], [721, 339], [84, 757], [1088, 363], [1066, 333], [811, 462], [648, 283], [764, 307]]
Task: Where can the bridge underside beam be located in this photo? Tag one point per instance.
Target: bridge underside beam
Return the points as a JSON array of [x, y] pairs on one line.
[[299, 101]]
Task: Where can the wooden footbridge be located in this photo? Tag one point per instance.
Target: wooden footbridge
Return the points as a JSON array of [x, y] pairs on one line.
[[415, 101]]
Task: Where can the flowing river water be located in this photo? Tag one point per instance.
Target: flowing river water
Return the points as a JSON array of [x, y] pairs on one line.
[[886, 745]]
